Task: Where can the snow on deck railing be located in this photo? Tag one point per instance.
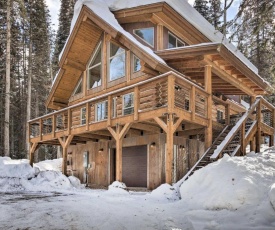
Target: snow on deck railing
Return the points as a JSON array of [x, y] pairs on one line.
[[233, 131]]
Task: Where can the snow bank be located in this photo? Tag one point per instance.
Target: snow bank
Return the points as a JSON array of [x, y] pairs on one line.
[[18, 175], [231, 183], [118, 188], [55, 165], [165, 192], [271, 195]]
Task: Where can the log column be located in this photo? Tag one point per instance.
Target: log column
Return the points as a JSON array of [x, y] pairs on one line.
[[118, 135], [208, 89], [259, 120], [65, 142]]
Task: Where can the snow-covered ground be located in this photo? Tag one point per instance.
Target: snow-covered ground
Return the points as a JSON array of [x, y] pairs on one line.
[[233, 193]]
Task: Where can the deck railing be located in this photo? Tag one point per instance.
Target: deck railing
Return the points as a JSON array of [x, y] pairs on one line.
[[148, 96]]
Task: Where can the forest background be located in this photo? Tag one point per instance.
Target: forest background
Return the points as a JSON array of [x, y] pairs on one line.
[[30, 45]]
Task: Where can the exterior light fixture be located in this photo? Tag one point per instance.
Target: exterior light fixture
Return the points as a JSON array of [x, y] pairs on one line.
[[100, 150], [153, 144]]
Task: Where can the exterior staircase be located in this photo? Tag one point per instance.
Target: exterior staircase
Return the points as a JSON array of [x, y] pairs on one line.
[[229, 141]]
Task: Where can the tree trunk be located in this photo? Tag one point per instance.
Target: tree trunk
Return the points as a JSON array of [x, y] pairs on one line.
[[29, 94], [7, 95]]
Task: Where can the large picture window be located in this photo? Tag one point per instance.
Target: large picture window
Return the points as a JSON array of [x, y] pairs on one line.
[[128, 103], [101, 111], [116, 62], [95, 68], [146, 34], [174, 42]]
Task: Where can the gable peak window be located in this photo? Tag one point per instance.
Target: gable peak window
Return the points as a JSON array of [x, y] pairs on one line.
[[146, 34], [174, 42], [117, 61], [95, 68], [79, 87]]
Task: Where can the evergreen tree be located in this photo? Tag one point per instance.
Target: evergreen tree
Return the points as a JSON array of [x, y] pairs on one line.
[[65, 18], [202, 7], [215, 13]]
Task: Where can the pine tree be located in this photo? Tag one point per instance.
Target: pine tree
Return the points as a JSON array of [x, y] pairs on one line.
[[202, 7], [215, 13], [65, 17]]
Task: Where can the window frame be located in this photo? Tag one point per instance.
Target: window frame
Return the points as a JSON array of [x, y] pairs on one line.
[[109, 58], [106, 112], [100, 45], [80, 81], [177, 39], [151, 27], [123, 103]]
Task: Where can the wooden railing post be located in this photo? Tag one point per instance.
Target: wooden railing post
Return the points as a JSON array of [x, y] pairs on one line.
[[53, 125], [227, 114], [171, 93], [136, 102], [193, 102], [243, 147], [87, 115], [69, 121], [40, 128], [110, 105]]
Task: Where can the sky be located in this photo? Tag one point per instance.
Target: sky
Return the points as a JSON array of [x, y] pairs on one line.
[[54, 7]]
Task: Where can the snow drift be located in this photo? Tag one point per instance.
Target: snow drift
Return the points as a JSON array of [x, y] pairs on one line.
[[18, 175], [231, 183]]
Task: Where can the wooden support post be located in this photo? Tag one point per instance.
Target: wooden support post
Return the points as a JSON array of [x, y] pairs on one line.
[[118, 135], [136, 103], [208, 89], [65, 144], [258, 134], [53, 125], [160, 43], [171, 93], [84, 83], [169, 150], [193, 102], [271, 140], [33, 147], [252, 145], [243, 147]]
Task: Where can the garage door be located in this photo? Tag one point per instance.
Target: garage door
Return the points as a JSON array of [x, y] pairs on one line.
[[134, 166]]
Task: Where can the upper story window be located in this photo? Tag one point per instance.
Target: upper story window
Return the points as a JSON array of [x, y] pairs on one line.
[[79, 87], [101, 111], [128, 103], [174, 42], [95, 68], [146, 34], [136, 64], [83, 116], [116, 62]]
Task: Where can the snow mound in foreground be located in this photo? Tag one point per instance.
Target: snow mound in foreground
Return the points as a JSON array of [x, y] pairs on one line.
[[165, 192], [118, 188], [55, 165], [18, 175], [231, 182]]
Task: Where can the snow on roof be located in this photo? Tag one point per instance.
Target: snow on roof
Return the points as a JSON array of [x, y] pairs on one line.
[[103, 8]]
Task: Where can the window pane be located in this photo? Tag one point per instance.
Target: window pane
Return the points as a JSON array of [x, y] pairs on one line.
[[146, 34], [115, 50], [117, 66], [95, 76], [128, 104], [78, 88], [137, 65], [83, 116], [172, 41], [102, 111], [180, 44], [97, 58]]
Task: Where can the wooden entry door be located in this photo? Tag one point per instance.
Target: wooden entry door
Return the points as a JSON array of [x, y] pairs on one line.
[[134, 166]]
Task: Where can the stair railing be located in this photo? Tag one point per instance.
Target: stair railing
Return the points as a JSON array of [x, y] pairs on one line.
[[178, 184], [234, 131]]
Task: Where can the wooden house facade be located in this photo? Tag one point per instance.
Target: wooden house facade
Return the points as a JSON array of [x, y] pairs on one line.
[[146, 97]]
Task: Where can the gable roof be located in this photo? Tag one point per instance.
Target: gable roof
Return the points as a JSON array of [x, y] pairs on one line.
[[100, 10]]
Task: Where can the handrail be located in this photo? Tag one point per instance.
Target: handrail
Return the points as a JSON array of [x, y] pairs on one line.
[[179, 183], [233, 132], [120, 90], [235, 151]]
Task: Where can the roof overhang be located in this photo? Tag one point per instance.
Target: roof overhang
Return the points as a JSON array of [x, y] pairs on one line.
[[226, 66]]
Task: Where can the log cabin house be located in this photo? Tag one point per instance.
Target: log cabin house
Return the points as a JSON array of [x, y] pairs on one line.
[[147, 94]]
